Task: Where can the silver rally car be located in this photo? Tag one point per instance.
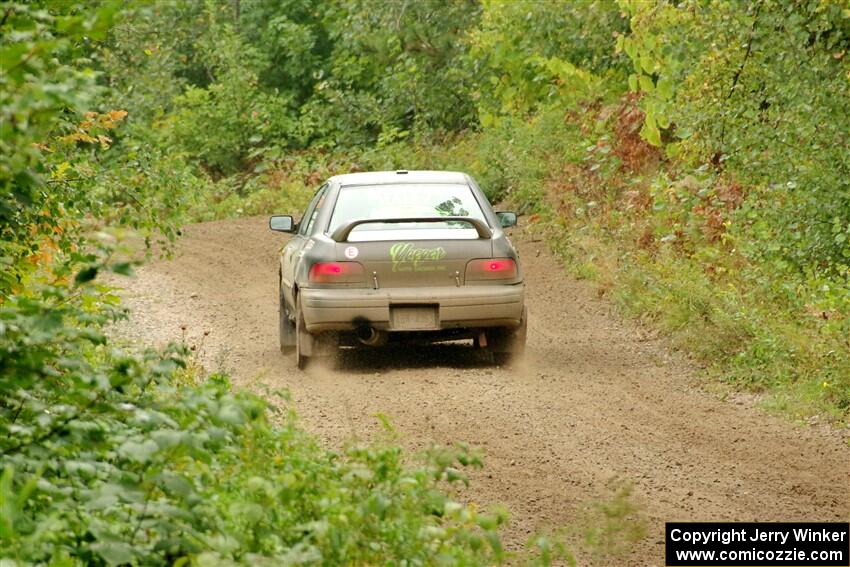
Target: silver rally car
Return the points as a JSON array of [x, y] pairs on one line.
[[399, 255]]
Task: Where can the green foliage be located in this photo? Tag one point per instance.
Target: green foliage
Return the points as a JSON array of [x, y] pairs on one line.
[[162, 64], [536, 53], [35, 85], [395, 67], [293, 40], [66, 170], [279, 76], [759, 91], [218, 125]]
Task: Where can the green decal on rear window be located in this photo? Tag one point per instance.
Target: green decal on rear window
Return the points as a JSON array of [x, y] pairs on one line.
[[408, 258]]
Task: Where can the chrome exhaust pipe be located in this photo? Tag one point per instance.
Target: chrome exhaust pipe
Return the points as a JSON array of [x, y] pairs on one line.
[[370, 336]]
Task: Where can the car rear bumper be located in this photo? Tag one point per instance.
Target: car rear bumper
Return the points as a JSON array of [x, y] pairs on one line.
[[454, 307]]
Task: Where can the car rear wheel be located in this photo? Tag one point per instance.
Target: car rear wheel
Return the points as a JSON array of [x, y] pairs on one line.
[[303, 339], [308, 346], [508, 344], [287, 327]]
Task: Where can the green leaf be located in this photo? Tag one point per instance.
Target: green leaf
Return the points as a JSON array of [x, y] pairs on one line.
[[8, 512], [177, 484], [665, 88], [673, 150], [647, 63], [114, 552], [651, 134], [138, 452], [630, 47]]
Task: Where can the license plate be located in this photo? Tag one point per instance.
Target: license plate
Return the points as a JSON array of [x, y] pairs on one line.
[[414, 318]]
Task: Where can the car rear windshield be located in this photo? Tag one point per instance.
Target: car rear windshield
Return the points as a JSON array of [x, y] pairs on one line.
[[406, 201]]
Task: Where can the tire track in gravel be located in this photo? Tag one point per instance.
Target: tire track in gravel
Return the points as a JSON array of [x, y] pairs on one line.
[[595, 400]]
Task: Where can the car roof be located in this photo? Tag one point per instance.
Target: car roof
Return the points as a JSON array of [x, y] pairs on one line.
[[400, 177]]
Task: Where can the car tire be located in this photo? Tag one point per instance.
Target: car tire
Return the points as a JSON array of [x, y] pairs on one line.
[[308, 346], [287, 327], [303, 339], [507, 344]]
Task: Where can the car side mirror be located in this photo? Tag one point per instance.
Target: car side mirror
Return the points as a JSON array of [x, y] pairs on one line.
[[506, 218], [282, 223]]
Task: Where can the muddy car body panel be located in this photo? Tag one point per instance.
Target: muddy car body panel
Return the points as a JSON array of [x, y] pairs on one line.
[[400, 252]]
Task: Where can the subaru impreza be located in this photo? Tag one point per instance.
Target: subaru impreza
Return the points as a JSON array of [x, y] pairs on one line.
[[399, 256]]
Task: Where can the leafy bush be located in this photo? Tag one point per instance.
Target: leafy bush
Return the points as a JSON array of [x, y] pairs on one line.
[[67, 171], [33, 86], [218, 125], [394, 69], [531, 54], [105, 460], [756, 90]]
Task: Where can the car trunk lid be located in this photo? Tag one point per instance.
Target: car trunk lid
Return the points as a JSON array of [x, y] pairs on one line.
[[414, 263]]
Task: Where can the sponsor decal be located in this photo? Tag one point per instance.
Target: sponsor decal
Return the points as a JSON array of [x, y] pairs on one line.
[[408, 258], [351, 252]]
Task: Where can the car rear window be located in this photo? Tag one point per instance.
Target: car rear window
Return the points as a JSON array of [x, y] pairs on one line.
[[403, 201]]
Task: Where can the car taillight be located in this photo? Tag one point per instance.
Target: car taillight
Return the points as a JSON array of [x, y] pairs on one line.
[[336, 272], [491, 269]]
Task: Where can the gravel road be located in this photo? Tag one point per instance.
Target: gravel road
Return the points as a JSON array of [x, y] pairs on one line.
[[597, 398]]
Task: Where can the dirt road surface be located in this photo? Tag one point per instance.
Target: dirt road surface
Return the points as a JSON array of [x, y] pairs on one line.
[[595, 400]]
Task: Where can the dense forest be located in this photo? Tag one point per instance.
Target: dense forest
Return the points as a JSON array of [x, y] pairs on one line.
[[690, 157]]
